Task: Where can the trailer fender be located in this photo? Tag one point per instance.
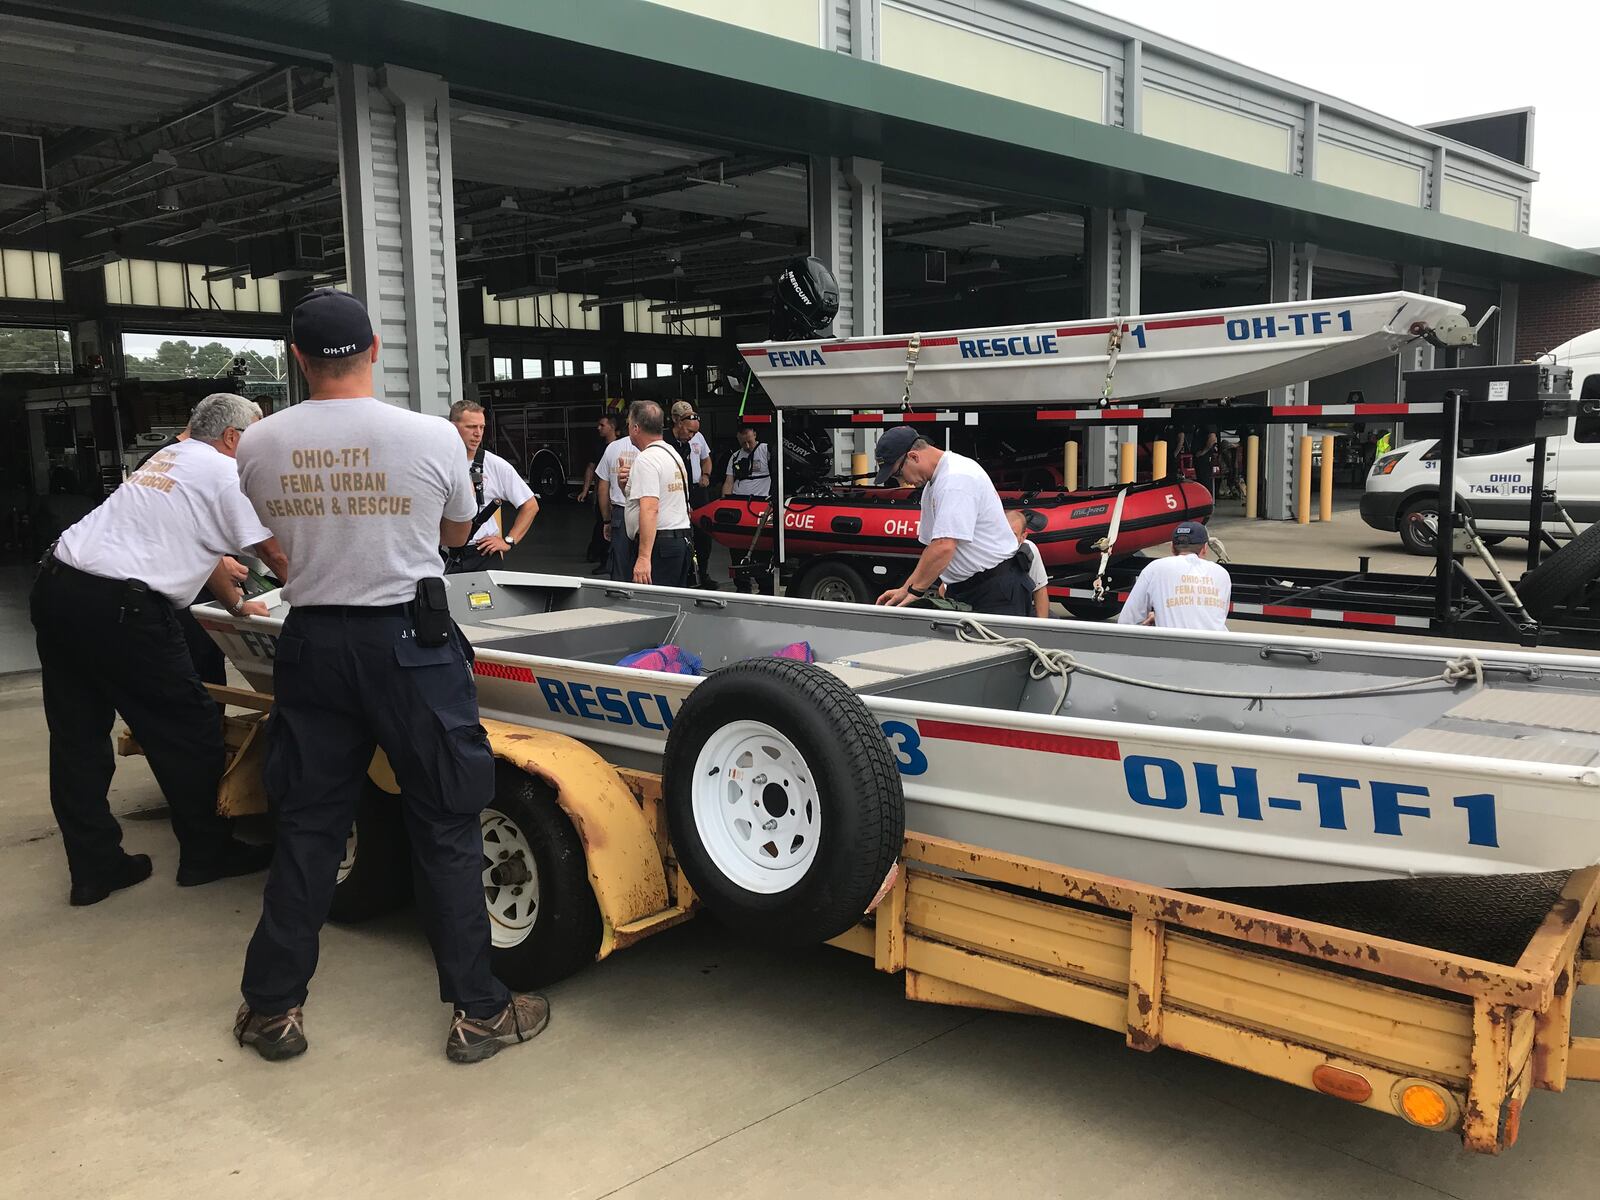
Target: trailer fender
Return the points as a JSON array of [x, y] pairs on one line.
[[624, 862]]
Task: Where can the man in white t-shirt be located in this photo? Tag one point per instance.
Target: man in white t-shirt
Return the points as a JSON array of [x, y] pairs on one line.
[[494, 482], [612, 472], [750, 468], [657, 519], [362, 494], [970, 546], [1186, 591], [1037, 579], [105, 611]]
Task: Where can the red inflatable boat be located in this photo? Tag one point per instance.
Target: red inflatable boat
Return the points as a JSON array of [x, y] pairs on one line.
[[883, 521]]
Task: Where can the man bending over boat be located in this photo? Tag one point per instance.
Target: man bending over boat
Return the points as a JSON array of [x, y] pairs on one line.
[[969, 543], [1186, 591]]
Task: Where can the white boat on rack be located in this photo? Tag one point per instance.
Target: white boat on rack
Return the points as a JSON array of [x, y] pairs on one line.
[[1176, 758], [1199, 355]]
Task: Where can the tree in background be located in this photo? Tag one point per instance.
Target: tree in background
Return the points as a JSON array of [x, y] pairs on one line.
[[45, 350], [182, 360]]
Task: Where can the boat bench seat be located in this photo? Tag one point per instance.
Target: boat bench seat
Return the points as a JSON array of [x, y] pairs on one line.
[[590, 634], [893, 665]]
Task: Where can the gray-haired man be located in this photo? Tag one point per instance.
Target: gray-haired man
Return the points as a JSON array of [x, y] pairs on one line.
[[104, 608]]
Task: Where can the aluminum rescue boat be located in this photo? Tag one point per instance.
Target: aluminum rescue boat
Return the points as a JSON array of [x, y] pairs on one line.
[[1171, 757], [1203, 354], [883, 521]]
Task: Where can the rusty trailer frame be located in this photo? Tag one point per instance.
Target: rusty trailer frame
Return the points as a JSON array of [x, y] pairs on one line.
[[1311, 1005], [1366, 1019]]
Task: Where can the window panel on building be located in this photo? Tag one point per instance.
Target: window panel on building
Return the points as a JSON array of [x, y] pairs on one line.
[[502, 368], [533, 368], [591, 367], [563, 367]]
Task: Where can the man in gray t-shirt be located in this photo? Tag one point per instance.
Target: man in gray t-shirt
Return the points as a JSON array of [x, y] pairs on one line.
[[363, 493]]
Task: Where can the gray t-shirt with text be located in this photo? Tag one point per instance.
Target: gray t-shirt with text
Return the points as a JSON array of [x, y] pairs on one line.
[[354, 491]]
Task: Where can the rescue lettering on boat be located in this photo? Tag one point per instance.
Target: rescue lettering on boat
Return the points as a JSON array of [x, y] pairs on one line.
[[1289, 325], [1392, 807]]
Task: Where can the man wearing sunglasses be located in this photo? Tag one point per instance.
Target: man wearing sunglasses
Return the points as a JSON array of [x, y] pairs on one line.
[[969, 543]]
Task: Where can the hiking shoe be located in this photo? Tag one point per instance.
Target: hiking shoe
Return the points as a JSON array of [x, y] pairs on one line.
[[234, 858], [475, 1040], [274, 1038], [134, 868]]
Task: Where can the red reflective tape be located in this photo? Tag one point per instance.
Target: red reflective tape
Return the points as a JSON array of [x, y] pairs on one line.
[[1021, 739], [1359, 618], [1186, 322], [1381, 410], [1115, 415], [900, 344], [756, 419], [1285, 610], [1080, 330], [754, 353], [501, 671]]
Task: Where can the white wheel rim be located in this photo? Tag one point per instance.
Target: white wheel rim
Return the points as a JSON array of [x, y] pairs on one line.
[[511, 899], [348, 862], [756, 807]]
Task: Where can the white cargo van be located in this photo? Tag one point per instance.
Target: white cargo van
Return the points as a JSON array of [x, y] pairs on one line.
[[1495, 479]]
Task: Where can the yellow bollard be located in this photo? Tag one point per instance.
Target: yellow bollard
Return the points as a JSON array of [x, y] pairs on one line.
[[1302, 503], [1325, 481], [1252, 473], [860, 472], [1070, 466], [1158, 459], [1127, 462]]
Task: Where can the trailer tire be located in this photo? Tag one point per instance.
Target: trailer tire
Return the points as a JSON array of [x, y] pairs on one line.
[[548, 477], [375, 875], [1568, 571], [1412, 524], [833, 806], [551, 927], [833, 580]]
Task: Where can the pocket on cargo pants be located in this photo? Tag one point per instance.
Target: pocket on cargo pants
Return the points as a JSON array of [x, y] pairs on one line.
[[449, 746], [464, 763]]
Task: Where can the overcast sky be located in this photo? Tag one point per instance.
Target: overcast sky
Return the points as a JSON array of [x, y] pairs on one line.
[[1422, 62]]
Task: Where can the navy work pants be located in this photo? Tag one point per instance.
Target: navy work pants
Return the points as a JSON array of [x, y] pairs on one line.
[[347, 681], [1005, 590], [621, 558], [108, 647]]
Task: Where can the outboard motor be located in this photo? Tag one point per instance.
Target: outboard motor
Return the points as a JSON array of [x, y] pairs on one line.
[[805, 299], [807, 458]]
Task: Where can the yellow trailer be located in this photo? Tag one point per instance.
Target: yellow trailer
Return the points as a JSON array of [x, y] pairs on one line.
[[1446, 1042]]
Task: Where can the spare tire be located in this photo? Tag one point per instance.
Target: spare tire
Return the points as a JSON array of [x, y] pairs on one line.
[[783, 800], [1566, 572]]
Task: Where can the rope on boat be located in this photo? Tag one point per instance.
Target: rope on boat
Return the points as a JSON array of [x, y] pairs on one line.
[[1062, 663]]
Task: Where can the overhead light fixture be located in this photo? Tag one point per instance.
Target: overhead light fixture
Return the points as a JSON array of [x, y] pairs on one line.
[[487, 120], [185, 68], [209, 225], [592, 139], [677, 271], [94, 261], [163, 158], [746, 235], [663, 152], [167, 200], [509, 203], [36, 42], [629, 219], [994, 264]]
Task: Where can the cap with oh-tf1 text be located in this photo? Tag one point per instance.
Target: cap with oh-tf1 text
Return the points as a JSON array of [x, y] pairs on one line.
[[330, 324]]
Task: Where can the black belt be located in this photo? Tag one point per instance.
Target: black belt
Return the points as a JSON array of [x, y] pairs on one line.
[[1014, 563], [673, 533], [353, 610], [125, 591]]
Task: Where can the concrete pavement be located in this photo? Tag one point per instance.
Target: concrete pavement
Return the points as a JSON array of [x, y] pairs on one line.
[[693, 1065]]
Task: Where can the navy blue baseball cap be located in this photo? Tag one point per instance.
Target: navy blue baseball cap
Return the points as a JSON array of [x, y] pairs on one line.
[[330, 324], [1190, 533], [892, 447]]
